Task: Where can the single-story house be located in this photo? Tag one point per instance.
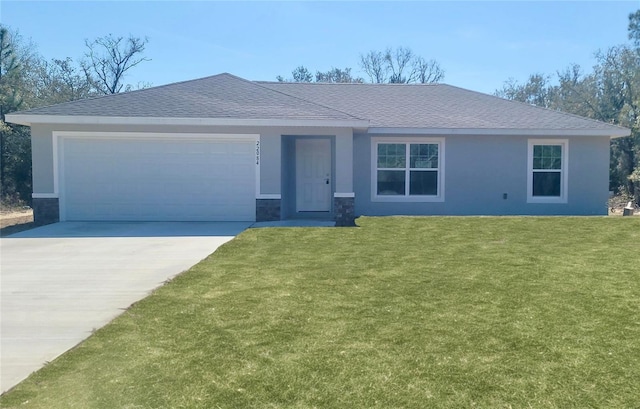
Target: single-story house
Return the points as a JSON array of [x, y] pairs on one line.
[[225, 148]]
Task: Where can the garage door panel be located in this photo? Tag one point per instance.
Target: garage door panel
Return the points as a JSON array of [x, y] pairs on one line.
[[158, 179]]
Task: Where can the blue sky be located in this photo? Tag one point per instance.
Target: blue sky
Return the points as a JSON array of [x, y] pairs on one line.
[[478, 44]]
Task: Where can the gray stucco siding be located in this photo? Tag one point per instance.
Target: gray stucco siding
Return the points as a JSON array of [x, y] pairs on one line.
[[480, 170], [276, 168], [270, 158], [270, 149], [42, 160], [343, 161], [589, 174]]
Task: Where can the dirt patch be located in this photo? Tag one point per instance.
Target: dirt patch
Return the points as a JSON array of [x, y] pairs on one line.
[[618, 203], [618, 211], [14, 221]]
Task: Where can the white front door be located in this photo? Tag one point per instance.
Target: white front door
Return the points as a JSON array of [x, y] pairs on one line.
[[313, 175]]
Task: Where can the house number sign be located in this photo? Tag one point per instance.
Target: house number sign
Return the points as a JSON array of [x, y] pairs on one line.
[[257, 152]]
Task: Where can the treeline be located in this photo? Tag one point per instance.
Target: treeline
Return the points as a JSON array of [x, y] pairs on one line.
[[398, 65], [609, 92], [27, 80]]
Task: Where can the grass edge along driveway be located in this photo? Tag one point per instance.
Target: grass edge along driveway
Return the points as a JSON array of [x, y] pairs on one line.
[[435, 312]]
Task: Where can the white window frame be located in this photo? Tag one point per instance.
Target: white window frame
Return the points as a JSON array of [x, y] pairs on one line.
[[375, 197], [564, 170]]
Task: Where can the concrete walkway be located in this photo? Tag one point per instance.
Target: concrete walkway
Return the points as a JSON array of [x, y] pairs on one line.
[[59, 282], [295, 223]]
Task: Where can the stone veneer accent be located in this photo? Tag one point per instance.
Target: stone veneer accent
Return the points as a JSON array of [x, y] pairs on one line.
[[267, 210], [45, 210], [344, 210]]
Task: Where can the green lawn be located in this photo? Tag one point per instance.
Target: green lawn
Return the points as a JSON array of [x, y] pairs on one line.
[[469, 312]]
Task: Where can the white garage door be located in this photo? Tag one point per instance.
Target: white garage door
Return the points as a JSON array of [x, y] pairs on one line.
[[161, 179]]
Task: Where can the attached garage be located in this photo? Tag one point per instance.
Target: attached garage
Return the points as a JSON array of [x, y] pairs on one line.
[[148, 177]]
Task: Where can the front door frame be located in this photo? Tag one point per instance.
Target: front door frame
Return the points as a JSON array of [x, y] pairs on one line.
[[289, 179], [313, 175]]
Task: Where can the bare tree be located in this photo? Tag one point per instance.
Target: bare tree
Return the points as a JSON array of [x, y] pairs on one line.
[[400, 66], [374, 65], [426, 72], [398, 61], [109, 58]]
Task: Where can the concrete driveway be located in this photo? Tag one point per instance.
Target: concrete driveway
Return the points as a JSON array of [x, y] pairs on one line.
[[59, 282]]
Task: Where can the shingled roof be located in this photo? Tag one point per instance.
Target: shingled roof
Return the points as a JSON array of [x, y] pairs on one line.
[[224, 96], [432, 106], [218, 96]]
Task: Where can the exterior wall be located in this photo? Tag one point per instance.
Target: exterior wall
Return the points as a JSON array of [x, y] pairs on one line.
[[270, 158], [272, 163], [42, 160], [589, 175], [343, 161], [288, 185], [270, 148], [341, 175], [480, 170]]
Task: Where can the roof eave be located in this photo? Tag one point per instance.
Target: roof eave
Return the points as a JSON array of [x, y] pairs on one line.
[[613, 132], [358, 124], [28, 120]]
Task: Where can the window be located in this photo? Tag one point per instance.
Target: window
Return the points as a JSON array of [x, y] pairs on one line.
[[407, 170], [547, 180]]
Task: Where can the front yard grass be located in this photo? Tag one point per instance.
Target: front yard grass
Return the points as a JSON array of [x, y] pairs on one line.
[[401, 312]]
